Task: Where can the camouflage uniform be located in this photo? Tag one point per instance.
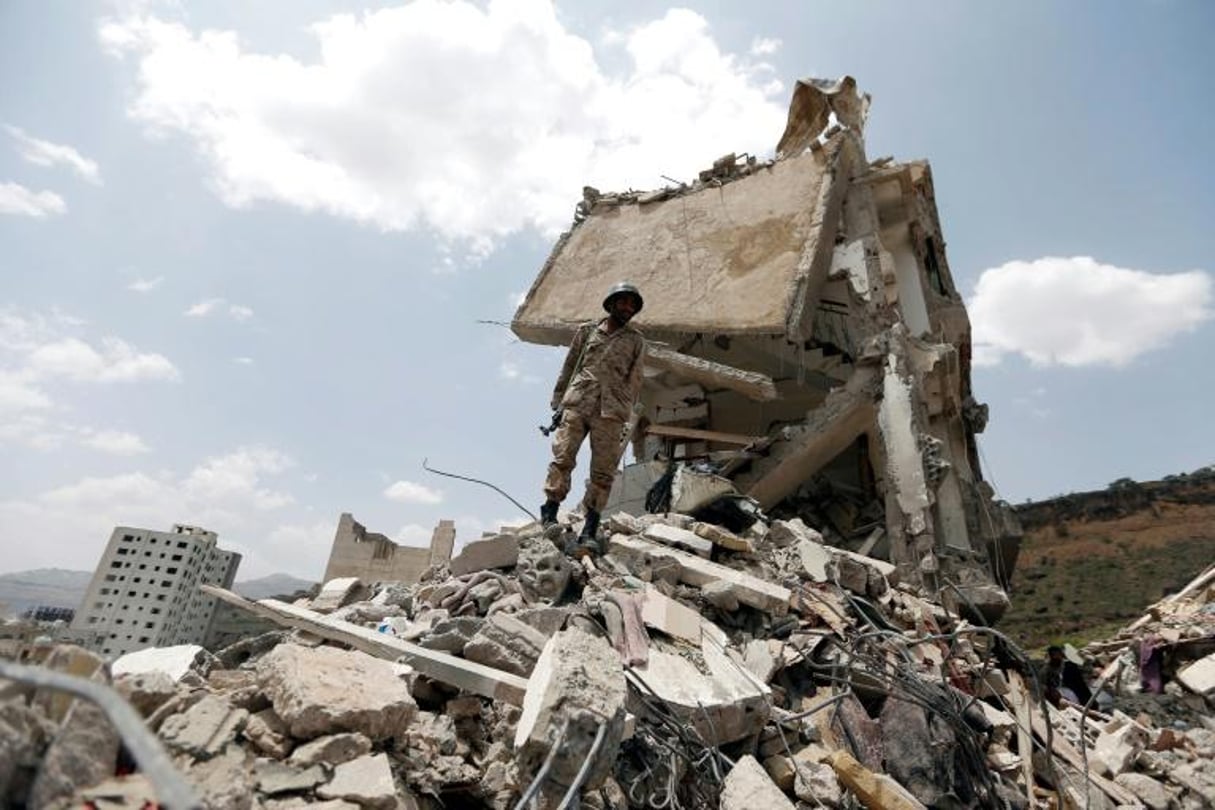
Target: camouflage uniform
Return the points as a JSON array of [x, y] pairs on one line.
[[606, 371]]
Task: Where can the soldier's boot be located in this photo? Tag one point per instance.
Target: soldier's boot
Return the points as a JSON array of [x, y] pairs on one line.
[[588, 541], [548, 514]]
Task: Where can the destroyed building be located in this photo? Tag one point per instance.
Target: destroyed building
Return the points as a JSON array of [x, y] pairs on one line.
[[806, 341], [691, 664], [372, 557]]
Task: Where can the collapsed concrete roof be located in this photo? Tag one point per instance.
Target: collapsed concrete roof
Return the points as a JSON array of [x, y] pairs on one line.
[[807, 341]]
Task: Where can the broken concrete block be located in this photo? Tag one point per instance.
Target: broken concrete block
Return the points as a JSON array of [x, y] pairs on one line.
[[780, 769], [506, 643], [817, 784], [366, 781], [1146, 789], [875, 790], [501, 551], [274, 777], [722, 595], [723, 706], [753, 591], [723, 537], [679, 538], [70, 660], [1199, 677], [548, 620], [758, 657], [269, 734], [783, 533], [23, 736], [577, 682], [337, 593], [817, 563], [83, 753], [664, 614], [147, 691], [623, 522], [205, 728], [450, 635], [224, 781], [332, 749], [173, 661], [1117, 748], [692, 489], [311, 690], [748, 786]]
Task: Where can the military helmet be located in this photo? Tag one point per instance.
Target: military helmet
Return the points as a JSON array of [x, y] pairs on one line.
[[623, 288]]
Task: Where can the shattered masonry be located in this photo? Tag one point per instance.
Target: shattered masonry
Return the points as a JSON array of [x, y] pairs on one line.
[[831, 651], [807, 341]]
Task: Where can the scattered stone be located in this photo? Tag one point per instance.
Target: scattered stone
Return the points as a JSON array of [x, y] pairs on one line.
[[722, 595], [679, 538], [325, 690], [269, 734], [366, 781], [748, 787], [172, 661], [450, 635], [1149, 791], [205, 729], [83, 753], [1199, 676], [501, 551], [723, 537], [332, 749], [147, 691], [338, 593], [816, 783], [274, 777], [506, 643], [782, 533]]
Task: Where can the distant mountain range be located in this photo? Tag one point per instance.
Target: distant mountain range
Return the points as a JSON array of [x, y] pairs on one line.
[[57, 587]]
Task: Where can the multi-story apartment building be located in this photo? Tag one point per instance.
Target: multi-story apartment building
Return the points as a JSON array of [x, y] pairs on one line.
[[144, 592]]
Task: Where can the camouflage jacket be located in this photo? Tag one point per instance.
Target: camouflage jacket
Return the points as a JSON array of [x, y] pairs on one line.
[[607, 381]]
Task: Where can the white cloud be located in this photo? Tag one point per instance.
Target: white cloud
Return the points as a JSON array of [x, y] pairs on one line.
[[45, 153], [142, 285], [203, 308], [18, 200], [114, 361], [1077, 312], [765, 46], [474, 122], [116, 442], [509, 370], [413, 534], [229, 494], [243, 361], [410, 492], [210, 306]]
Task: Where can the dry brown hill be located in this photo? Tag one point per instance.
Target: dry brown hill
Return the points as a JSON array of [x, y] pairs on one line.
[[1091, 562]]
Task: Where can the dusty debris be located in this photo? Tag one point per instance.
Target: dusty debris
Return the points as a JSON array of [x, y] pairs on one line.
[[807, 585]]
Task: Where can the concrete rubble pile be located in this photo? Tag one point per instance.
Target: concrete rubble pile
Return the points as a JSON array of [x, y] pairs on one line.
[[687, 666]]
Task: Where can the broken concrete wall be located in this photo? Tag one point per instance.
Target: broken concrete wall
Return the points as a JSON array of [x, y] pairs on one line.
[[372, 557], [816, 271]]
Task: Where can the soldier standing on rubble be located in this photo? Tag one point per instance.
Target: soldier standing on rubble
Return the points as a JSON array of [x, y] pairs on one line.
[[595, 393]]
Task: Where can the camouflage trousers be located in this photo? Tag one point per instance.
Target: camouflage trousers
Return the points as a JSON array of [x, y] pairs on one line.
[[605, 454]]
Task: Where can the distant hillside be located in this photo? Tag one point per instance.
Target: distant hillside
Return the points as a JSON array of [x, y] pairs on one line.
[[57, 587], [1093, 561]]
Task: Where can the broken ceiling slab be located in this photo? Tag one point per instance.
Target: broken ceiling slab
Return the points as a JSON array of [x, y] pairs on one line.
[[457, 672], [711, 374], [751, 241], [693, 570]]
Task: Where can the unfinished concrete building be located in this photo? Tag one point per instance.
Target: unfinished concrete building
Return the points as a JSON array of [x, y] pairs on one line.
[[372, 557], [806, 342]]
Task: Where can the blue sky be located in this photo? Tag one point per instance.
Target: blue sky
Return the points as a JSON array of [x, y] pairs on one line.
[[246, 246]]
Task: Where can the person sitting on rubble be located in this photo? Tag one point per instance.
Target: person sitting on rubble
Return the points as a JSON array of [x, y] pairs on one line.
[[1063, 679], [595, 393]]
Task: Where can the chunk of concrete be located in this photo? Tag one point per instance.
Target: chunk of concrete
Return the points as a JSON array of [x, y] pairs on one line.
[[817, 563], [274, 777], [578, 684], [147, 691], [782, 533], [70, 660], [679, 538], [1199, 676], [332, 749], [722, 595], [83, 753], [724, 538], [324, 690], [1149, 791], [205, 728], [816, 783], [366, 781], [225, 781], [501, 551], [748, 787], [451, 634], [173, 661], [506, 643], [1117, 748], [337, 593], [693, 570], [663, 613], [269, 734]]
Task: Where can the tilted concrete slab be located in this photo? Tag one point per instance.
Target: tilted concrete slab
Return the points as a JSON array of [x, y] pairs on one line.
[[466, 675]]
